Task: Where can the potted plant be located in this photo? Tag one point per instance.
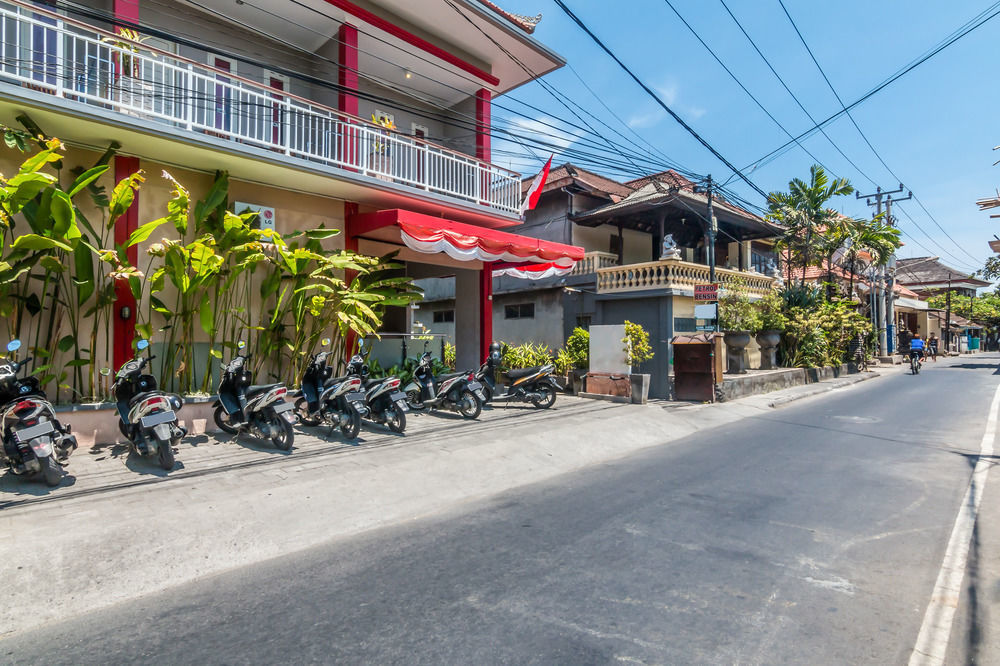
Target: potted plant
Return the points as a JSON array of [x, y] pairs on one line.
[[738, 319], [637, 351], [772, 323], [578, 349]]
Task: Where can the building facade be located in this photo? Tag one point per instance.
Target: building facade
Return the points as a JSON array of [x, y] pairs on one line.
[[369, 116]]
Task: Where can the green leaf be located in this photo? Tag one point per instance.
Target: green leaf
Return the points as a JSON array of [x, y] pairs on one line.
[[216, 353], [84, 279], [144, 232], [322, 234], [77, 363], [63, 216], [123, 195], [40, 159], [86, 178], [51, 264], [144, 330], [66, 343], [207, 315], [34, 242]]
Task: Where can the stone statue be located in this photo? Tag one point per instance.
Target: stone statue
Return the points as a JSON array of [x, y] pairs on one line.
[[670, 249], [774, 272]]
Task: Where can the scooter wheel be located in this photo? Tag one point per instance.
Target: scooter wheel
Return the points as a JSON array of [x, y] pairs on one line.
[[123, 429], [51, 471], [222, 420], [283, 441], [548, 397], [302, 411], [165, 454], [351, 429], [395, 418], [488, 392], [470, 407]]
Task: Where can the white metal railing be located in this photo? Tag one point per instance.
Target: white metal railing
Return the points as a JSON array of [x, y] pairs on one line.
[[75, 61], [594, 260]]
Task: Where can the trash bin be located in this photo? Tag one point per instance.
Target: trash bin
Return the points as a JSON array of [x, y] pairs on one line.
[[697, 366]]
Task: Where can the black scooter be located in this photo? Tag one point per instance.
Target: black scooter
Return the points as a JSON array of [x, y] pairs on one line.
[[338, 401], [457, 391], [258, 410], [385, 402], [146, 416], [532, 385], [34, 442]]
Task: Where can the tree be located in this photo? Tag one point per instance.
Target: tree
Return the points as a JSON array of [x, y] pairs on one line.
[[804, 214], [874, 237], [991, 270]]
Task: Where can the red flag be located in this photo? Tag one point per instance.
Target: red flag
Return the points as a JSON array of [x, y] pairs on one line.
[[535, 191]]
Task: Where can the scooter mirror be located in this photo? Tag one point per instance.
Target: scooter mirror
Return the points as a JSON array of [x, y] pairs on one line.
[[142, 344], [325, 342], [13, 345], [105, 372], [241, 345]]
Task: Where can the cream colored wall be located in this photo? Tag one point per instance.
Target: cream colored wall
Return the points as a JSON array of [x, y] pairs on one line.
[[638, 247]]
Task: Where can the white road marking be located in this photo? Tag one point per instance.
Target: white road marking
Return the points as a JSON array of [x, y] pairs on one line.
[[932, 641]]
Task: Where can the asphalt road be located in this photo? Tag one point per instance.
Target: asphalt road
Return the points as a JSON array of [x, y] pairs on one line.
[[810, 534]]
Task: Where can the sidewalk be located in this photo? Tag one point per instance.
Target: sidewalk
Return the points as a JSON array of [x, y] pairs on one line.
[[123, 528]]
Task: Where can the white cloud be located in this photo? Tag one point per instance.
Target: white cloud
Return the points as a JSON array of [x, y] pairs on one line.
[[644, 120], [560, 139]]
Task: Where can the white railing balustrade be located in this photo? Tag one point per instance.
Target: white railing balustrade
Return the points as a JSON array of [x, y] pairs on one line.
[[594, 260], [78, 62], [676, 274]]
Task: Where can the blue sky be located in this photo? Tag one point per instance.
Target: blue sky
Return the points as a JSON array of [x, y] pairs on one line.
[[935, 127]]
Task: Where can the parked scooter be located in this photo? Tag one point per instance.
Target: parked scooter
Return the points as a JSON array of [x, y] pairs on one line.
[[323, 398], [458, 391], [532, 385], [34, 442], [385, 402], [260, 411], [146, 416]]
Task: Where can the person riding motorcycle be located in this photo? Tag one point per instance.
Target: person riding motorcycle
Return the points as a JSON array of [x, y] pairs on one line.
[[917, 346]]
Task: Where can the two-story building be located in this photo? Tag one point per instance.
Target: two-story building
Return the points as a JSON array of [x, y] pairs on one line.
[[282, 96], [624, 274]]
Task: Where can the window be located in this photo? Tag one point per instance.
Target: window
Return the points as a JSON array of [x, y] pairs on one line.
[[444, 316], [685, 324], [223, 93], [759, 260], [520, 311], [583, 321], [419, 131], [278, 82]]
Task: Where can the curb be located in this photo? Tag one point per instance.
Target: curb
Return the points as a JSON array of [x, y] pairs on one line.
[[823, 387]]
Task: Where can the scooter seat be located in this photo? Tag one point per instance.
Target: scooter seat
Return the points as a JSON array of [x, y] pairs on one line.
[[450, 375], [139, 397], [373, 382], [260, 388], [336, 380], [523, 372]]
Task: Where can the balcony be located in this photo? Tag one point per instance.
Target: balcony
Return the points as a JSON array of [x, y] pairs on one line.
[[592, 261], [51, 54], [675, 274]]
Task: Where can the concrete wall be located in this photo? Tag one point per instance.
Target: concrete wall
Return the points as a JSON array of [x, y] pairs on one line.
[[545, 328], [638, 245], [467, 319]]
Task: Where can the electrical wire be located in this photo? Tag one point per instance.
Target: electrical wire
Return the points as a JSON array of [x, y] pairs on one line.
[[858, 127], [655, 97]]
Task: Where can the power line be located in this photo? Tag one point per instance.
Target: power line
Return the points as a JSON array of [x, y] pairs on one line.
[[659, 101], [906, 69], [789, 91], [736, 79], [858, 127]]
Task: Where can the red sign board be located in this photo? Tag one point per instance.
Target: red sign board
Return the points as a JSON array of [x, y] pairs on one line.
[[706, 292]]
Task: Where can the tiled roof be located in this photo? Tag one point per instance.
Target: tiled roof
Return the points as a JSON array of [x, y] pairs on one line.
[[929, 270], [669, 177], [565, 174], [526, 23]]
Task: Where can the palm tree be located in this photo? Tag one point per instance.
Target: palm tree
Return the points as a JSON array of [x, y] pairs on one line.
[[879, 239], [803, 211]]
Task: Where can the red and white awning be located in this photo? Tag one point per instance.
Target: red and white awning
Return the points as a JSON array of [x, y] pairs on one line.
[[520, 256]]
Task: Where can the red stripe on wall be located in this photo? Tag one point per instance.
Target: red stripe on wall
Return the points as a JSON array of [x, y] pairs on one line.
[[124, 329]]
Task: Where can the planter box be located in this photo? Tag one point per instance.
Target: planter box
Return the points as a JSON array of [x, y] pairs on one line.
[[640, 388], [96, 424]]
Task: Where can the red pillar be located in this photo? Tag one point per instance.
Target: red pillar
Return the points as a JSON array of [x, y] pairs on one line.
[[347, 77], [483, 125], [351, 244], [127, 10], [124, 327]]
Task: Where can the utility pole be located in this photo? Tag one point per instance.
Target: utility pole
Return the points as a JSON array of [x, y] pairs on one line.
[[947, 316], [883, 307], [711, 233]]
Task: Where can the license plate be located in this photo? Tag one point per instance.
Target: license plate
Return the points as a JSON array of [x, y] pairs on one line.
[[396, 396], [282, 406], [289, 416], [475, 386], [26, 434], [157, 419], [402, 406], [355, 397]]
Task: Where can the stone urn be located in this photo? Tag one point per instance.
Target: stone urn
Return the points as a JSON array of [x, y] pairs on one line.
[[768, 341], [736, 344]]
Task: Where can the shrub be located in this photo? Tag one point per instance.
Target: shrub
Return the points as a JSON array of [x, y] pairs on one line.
[[771, 316], [578, 348], [449, 355], [526, 355], [821, 335], [736, 312], [636, 340], [563, 362]]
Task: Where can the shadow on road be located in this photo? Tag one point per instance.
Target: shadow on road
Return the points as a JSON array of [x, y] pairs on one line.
[[973, 366]]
